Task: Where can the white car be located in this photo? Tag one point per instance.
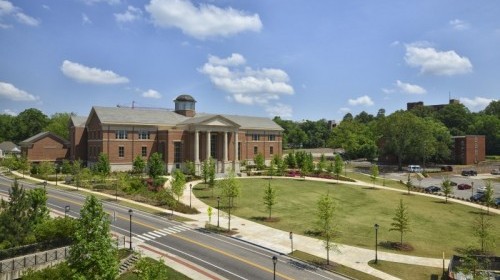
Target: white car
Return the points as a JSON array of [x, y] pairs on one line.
[[481, 189], [495, 172]]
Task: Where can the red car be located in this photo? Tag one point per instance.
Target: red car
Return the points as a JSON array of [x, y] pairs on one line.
[[464, 187]]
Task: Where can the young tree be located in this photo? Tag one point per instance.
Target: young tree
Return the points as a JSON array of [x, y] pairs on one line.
[[374, 173], [280, 164], [269, 198], [102, 166], [272, 170], [290, 160], [66, 167], [190, 168], [178, 183], [156, 166], [211, 174], [447, 188], [482, 230], [152, 269], [489, 196], [409, 184], [322, 163], [325, 223], [45, 169], [23, 164], [14, 219], [230, 189], [205, 170], [93, 254], [259, 161], [338, 166], [139, 165], [401, 220]]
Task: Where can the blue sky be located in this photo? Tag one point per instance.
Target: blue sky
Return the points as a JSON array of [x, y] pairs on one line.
[[296, 59]]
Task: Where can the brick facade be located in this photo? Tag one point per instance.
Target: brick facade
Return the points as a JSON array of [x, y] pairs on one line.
[[469, 149], [45, 146]]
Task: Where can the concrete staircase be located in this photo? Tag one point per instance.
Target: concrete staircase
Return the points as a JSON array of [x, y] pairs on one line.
[[128, 263]]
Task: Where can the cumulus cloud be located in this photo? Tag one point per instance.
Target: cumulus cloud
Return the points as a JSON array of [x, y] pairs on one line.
[[432, 61], [459, 24], [244, 84], [478, 103], [151, 94], [84, 74], [364, 100], [131, 14], [9, 91], [9, 112], [8, 10], [409, 88], [280, 110], [203, 21]]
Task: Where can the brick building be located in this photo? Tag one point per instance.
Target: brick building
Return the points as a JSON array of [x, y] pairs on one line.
[[469, 149], [180, 135], [45, 146]]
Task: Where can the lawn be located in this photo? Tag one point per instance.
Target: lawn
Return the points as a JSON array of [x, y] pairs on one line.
[[407, 271], [436, 227]]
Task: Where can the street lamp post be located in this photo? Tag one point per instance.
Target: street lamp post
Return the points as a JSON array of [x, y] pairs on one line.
[[66, 210], [45, 185], [130, 229], [218, 204], [190, 191], [376, 243], [275, 260]]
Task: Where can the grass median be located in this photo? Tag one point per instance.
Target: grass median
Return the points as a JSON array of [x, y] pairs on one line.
[[436, 227]]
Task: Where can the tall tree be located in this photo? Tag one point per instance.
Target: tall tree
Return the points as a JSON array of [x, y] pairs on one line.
[[156, 166], [456, 117], [58, 124], [401, 220], [269, 198], [93, 255], [14, 219], [493, 108], [326, 223], [178, 183], [28, 123]]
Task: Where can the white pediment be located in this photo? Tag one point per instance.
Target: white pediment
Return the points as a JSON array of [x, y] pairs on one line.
[[218, 121]]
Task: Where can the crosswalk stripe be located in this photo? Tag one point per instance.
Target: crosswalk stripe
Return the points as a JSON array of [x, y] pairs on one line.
[[154, 234], [143, 239], [160, 232], [147, 235]]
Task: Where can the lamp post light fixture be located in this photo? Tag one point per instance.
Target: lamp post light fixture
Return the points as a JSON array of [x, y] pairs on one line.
[[275, 261], [130, 229], [66, 210], [190, 191], [376, 242], [218, 204]]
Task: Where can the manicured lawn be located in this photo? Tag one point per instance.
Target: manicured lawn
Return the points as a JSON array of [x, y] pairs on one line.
[[436, 227], [408, 271]]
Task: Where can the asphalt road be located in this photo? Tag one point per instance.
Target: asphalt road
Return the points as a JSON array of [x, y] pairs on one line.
[[225, 256]]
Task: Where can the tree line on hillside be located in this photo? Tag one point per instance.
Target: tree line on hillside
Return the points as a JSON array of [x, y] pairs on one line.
[[421, 134]]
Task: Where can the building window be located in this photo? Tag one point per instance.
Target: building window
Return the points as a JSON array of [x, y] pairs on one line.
[[271, 137], [239, 150], [213, 146], [177, 151], [143, 134], [121, 151], [255, 137], [121, 134], [255, 150], [144, 151], [271, 150]]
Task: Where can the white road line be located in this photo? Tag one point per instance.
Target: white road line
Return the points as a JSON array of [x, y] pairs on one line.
[[154, 234], [160, 233], [138, 238], [149, 236]]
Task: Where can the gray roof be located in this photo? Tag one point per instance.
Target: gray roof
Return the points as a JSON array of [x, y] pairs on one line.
[[244, 122], [40, 135], [78, 121], [8, 146], [125, 115]]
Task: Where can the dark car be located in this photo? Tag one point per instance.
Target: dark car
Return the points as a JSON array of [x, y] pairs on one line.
[[477, 197], [497, 202], [447, 168], [432, 189], [469, 173], [464, 187]]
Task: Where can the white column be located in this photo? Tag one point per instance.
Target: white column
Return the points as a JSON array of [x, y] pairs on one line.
[[225, 148], [197, 146], [236, 159], [208, 145]]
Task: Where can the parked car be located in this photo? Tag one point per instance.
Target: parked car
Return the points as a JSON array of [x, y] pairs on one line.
[[432, 189], [477, 197], [447, 168], [469, 173], [497, 202], [495, 171], [481, 189], [415, 168], [453, 183], [464, 187]]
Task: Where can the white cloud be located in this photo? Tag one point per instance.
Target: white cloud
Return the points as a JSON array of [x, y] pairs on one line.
[[110, 2], [151, 93], [459, 24], [431, 61], [84, 74], [9, 112], [364, 100], [280, 110], [204, 21], [86, 19], [477, 103], [344, 110], [131, 14], [9, 91], [8, 10], [246, 85], [409, 88]]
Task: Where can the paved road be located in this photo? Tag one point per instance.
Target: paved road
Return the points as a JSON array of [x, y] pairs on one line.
[[222, 256]]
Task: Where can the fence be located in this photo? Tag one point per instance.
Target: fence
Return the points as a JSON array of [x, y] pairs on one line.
[[12, 268]]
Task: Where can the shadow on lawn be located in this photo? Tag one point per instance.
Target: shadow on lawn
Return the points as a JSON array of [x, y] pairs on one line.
[[265, 219]]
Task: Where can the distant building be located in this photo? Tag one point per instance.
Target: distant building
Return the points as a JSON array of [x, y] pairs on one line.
[[181, 135], [45, 146], [469, 149], [411, 105], [8, 148]]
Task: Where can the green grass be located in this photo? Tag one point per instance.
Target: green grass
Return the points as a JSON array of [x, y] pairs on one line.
[[334, 267], [381, 181], [171, 273], [433, 222], [408, 271]]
